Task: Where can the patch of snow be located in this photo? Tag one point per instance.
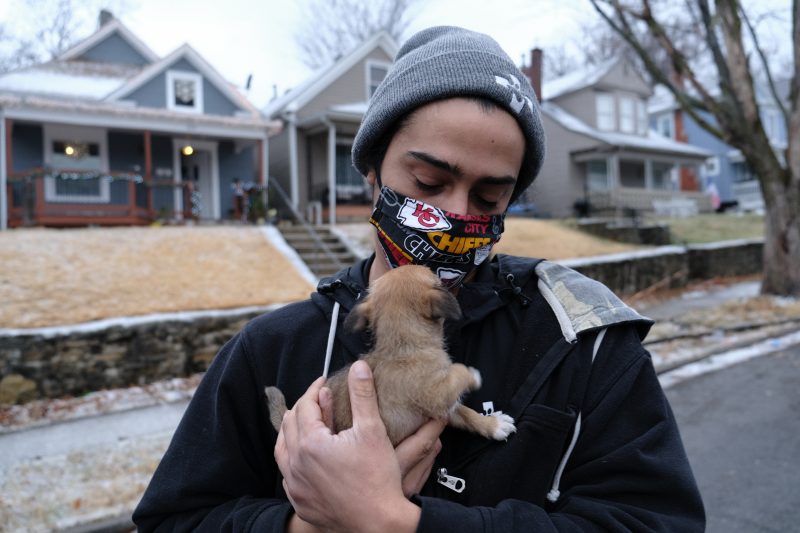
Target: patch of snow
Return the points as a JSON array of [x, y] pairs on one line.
[[653, 140], [577, 79], [724, 360], [725, 244], [622, 256], [275, 238], [130, 321], [60, 83]]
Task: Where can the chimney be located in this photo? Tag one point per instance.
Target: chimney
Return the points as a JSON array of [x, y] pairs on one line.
[[105, 17], [535, 72]]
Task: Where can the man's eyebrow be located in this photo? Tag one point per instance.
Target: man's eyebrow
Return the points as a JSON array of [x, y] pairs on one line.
[[436, 162], [456, 170]]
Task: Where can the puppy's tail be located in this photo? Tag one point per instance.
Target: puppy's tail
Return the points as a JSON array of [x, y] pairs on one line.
[[277, 406]]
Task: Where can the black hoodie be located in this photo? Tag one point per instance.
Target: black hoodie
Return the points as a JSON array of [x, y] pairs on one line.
[[596, 447]]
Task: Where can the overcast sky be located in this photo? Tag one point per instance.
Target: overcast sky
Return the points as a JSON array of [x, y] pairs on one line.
[[241, 37]]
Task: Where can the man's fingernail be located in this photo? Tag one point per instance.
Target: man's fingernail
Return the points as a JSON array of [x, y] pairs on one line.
[[361, 370]]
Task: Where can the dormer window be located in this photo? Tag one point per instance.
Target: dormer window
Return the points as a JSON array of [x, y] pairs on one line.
[[376, 71], [184, 91], [605, 112], [627, 116]]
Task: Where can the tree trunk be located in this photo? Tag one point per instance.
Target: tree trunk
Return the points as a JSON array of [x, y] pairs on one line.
[[781, 234]]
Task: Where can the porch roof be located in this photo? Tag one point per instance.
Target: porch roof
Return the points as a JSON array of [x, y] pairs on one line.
[[124, 116], [653, 143]]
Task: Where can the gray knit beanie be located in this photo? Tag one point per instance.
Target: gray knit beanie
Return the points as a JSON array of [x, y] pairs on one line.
[[446, 62]]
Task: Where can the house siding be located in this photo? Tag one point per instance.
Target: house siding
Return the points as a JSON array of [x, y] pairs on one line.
[[27, 142], [350, 87], [154, 93], [162, 154], [318, 167], [555, 191], [697, 136], [114, 49]]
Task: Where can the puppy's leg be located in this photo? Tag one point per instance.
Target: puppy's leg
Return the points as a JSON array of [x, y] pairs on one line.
[[445, 392], [277, 406], [497, 427]]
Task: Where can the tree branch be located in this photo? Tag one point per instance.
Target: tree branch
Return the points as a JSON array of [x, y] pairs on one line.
[[767, 70]]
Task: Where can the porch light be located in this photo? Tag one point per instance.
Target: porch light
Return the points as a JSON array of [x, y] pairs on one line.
[[187, 150], [69, 150]]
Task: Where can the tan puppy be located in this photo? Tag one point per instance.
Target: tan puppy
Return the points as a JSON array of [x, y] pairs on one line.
[[414, 377]]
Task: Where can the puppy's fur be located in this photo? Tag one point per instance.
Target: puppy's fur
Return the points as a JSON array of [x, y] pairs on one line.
[[414, 377]]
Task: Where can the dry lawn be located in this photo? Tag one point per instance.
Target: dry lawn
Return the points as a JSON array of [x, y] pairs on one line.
[[51, 277], [548, 239], [54, 277]]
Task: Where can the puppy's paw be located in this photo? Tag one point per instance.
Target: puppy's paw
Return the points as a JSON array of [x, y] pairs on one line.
[[505, 426], [476, 377]]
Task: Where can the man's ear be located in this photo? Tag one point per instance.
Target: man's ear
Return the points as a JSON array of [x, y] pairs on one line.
[[360, 316], [371, 177]]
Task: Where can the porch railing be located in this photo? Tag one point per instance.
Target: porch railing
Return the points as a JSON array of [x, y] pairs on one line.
[[129, 199], [642, 200], [321, 254]]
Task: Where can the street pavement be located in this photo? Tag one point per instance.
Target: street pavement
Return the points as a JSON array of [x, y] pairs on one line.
[[741, 430]]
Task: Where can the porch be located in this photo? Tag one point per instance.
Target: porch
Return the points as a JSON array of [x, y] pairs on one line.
[[127, 199]]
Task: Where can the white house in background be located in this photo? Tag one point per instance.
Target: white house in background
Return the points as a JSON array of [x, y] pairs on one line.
[[310, 157], [110, 133], [726, 167], [600, 148]]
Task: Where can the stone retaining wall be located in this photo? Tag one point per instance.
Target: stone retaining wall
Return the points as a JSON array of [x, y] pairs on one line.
[[55, 362]]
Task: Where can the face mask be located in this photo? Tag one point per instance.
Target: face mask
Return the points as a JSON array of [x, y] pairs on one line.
[[413, 232]]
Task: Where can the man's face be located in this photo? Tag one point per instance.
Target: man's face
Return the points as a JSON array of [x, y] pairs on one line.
[[454, 155]]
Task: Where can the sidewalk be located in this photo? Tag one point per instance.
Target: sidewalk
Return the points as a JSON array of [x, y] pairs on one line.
[[87, 474]]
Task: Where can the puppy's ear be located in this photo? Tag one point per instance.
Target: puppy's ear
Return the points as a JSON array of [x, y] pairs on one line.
[[360, 316], [444, 304]]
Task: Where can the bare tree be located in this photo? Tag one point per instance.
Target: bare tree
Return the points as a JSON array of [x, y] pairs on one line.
[[331, 28], [734, 48], [42, 29]]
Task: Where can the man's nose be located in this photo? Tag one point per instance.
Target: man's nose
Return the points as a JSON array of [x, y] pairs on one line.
[[456, 202]]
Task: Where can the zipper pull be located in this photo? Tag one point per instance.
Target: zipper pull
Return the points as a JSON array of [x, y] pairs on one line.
[[451, 482]]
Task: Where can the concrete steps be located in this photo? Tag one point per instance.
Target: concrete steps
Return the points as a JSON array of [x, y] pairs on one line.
[[317, 260]]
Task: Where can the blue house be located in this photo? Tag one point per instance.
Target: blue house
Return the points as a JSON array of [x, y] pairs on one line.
[[726, 170], [109, 133]]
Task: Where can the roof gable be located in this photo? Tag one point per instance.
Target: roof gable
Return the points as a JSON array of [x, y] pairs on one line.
[[614, 73], [114, 43], [183, 55], [322, 79]]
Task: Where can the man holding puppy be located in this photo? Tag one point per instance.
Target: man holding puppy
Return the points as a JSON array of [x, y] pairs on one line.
[[452, 136]]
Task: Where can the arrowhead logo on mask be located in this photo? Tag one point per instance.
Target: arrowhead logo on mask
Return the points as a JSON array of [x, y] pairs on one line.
[[419, 215]]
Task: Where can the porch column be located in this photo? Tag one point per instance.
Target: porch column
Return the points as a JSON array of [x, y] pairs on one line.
[[613, 181], [331, 174], [262, 172], [648, 174], [294, 179], [148, 170], [5, 153]]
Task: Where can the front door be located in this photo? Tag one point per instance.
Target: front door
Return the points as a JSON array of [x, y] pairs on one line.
[[196, 171]]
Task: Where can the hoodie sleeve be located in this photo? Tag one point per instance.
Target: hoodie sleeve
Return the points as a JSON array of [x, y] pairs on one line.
[[628, 472], [218, 473]]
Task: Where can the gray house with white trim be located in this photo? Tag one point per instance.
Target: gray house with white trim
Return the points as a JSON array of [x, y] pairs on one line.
[[110, 133], [310, 157], [601, 150]]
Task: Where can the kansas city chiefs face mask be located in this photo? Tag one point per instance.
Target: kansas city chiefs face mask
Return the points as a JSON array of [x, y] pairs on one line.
[[413, 232]]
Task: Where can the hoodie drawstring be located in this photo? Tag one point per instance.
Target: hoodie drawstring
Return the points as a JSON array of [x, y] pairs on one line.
[[554, 493], [331, 336]]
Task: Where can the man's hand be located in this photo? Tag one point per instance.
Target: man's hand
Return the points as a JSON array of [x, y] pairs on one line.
[[351, 480], [416, 454]]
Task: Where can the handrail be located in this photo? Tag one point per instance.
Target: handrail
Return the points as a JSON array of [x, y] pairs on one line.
[[306, 226]]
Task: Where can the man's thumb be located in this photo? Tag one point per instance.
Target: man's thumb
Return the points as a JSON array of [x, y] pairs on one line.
[[363, 400]]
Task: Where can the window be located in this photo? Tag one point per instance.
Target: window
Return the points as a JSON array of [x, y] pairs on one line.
[[627, 116], [641, 117], [77, 159], [631, 174], [350, 185], [376, 71], [605, 111], [712, 166], [184, 91], [597, 175], [664, 126], [662, 175]]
